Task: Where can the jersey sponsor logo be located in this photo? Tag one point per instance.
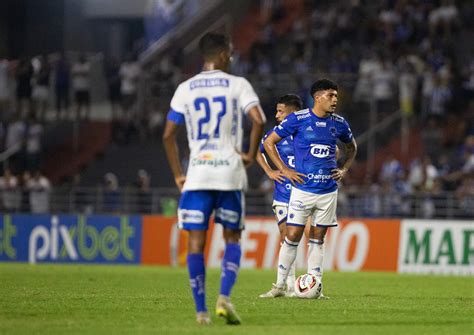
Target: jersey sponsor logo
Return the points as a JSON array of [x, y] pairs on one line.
[[320, 150], [208, 159], [320, 123], [191, 216], [303, 111], [304, 116], [214, 82], [318, 178], [227, 215], [297, 205]]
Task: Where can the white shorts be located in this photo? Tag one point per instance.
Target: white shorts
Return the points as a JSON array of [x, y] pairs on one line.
[[322, 208], [280, 209]]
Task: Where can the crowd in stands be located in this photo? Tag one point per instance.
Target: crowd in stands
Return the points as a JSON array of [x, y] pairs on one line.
[[392, 55]]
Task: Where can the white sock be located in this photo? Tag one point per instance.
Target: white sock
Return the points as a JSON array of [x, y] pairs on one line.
[[315, 257], [290, 280], [286, 258]]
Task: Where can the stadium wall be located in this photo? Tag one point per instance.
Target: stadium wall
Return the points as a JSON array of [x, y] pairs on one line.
[[406, 246]]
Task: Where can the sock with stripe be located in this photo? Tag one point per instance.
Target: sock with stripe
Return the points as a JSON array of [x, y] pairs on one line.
[[197, 279], [315, 257], [286, 258], [230, 267]]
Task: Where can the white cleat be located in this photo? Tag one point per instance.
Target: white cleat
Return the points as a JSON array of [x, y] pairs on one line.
[[275, 292]]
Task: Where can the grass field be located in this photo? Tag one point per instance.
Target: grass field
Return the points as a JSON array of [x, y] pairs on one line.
[[52, 299]]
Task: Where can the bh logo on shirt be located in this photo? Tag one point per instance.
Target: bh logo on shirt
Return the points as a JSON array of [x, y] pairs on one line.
[[319, 150]]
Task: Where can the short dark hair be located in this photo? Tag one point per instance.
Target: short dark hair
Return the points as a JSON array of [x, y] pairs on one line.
[[291, 100], [322, 85], [213, 43]]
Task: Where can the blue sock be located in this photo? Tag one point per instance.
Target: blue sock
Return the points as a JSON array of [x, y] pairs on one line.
[[230, 267], [197, 279]]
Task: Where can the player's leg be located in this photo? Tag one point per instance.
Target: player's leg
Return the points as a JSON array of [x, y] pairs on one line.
[[299, 210], [323, 218], [195, 208], [280, 210], [230, 214]]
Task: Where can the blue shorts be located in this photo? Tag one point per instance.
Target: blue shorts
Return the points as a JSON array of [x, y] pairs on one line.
[[196, 207]]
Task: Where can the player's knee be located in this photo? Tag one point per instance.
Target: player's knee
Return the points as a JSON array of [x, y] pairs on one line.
[[232, 236]]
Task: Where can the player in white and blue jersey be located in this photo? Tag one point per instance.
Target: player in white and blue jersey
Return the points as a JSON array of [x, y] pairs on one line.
[[315, 133], [286, 105], [212, 105]]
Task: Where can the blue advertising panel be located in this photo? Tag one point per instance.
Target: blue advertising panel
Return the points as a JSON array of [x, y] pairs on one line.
[[70, 238]]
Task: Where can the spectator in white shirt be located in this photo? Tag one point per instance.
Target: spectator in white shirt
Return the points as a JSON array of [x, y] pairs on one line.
[[81, 85], [10, 192], [39, 188], [129, 75]]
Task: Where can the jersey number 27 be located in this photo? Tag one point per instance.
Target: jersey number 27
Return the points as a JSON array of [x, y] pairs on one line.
[[203, 103]]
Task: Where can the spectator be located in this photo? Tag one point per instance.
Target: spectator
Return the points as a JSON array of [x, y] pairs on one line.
[[111, 193], [129, 75], [24, 74], [40, 92], [143, 192], [407, 86], [4, 87], [62, 84], [81, 85], [440, 98], [113, 84], [15, 138], [39, 189], [34, 136], [384, 83], [10, 192]]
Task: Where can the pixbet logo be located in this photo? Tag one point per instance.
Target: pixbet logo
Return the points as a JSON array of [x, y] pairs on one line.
[[80, 242], [320, 150]]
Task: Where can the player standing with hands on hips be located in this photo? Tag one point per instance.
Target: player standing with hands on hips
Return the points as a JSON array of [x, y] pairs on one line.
[[314, 193], [211, 105]]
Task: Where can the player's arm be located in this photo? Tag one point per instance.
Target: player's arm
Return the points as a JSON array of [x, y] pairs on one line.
[[351, 151], [172, 153], [258, 120], [270, 148], [272, 174]]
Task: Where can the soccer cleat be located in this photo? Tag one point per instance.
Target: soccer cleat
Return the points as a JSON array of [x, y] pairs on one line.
[[226, 310], [202, 318], [275, 292]]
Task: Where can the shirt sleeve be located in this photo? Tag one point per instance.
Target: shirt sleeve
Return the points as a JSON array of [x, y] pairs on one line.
[[345, 133], [287, 127], [175, 116], [248, 97]]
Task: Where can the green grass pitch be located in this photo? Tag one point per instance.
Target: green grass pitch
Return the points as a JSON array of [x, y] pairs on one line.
[[90, 299]]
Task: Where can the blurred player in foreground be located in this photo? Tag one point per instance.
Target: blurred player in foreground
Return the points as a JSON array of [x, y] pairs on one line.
[[211, 105], [314, 193]]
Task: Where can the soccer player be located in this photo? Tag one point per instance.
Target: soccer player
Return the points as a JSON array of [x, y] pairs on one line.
[[286, 105], [212, 104], [315, 132]]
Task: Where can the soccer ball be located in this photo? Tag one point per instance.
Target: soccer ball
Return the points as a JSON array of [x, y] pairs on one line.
[[308, 286]]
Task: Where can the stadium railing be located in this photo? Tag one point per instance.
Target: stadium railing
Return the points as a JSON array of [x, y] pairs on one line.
[[129, 200]]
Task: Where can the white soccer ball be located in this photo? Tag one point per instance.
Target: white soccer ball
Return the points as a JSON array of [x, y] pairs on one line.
[[308, 286]]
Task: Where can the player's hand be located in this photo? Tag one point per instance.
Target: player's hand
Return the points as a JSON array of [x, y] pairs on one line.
[[338, 174], [293, 176], [276, 176], [180, 182], [247, 159]]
